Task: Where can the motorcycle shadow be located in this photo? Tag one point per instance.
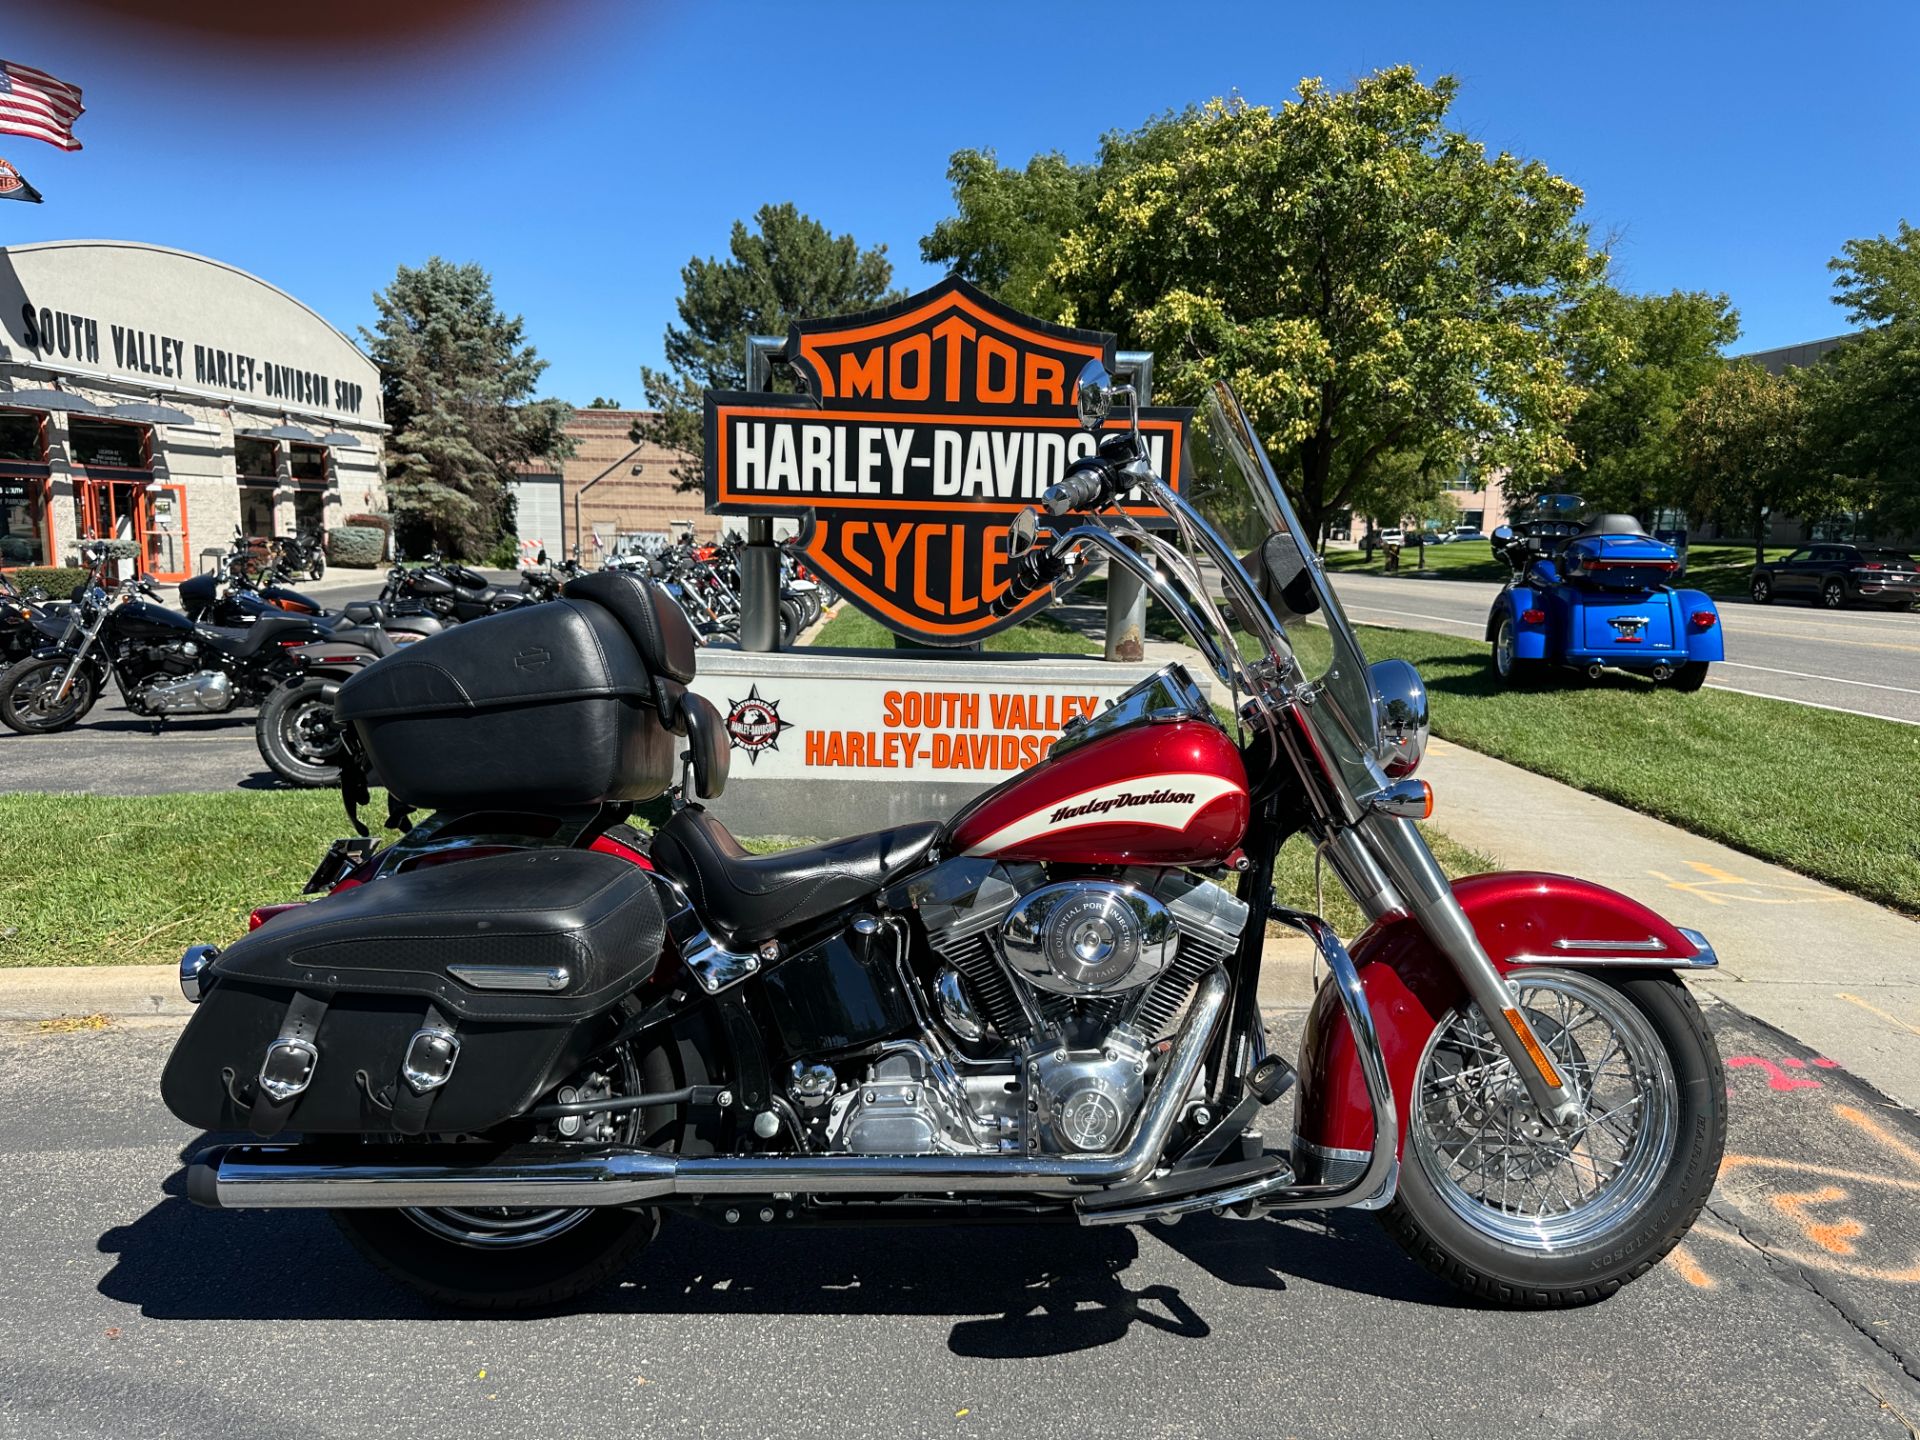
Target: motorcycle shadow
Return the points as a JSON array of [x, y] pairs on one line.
[[1017, 1291]]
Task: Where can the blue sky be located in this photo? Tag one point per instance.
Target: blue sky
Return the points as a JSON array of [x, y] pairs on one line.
[[584, 150]]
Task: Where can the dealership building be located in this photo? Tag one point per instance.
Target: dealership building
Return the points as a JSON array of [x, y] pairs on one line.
[[164, 398]]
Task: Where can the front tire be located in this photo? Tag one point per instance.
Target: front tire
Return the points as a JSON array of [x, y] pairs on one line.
[[1762, 590], [298, 736], [318, 570], [1494, 1201], [27, 691]]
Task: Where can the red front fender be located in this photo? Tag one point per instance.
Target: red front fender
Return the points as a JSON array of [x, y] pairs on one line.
[[1519, 916]]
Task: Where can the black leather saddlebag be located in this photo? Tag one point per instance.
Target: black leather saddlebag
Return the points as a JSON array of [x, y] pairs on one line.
[[544, 707], [515, 958]]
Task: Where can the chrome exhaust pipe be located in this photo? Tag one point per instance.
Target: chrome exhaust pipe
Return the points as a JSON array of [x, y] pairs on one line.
[[1593, 671], [302, 1177]]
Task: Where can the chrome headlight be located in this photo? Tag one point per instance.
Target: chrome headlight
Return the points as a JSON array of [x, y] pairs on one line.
[[1402, 697]]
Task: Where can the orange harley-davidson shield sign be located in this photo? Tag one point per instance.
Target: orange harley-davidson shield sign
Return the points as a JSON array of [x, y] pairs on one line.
[[924, 428]]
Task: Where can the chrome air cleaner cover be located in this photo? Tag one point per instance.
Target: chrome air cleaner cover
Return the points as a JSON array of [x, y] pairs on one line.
[[1088, 937]]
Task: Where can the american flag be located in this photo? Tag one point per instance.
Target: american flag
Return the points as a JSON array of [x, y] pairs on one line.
[[34, 104]]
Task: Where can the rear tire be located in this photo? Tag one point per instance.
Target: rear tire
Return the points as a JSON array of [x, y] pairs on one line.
[[26, 689], [1690, 677], [1833, 595], [1489, 1255], [1508, 667], [298, 737], [543, 1274]]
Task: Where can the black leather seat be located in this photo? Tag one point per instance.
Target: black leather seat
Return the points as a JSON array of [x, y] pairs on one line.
[[751, 898], [243, 641]]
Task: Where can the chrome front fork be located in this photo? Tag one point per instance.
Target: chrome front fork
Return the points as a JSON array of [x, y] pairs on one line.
[[1386, 866], [74, 663]]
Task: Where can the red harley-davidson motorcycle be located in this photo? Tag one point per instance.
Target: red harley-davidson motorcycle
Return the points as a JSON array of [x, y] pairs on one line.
[[506, 1043]]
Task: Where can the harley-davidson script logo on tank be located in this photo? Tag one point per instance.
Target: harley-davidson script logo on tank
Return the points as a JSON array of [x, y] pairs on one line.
[[1167, 802], [924, 428]]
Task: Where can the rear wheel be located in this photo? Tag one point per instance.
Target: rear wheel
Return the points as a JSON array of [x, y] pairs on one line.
[[1507, 663], [30, 698], [1691, 676], [298, 737], [1498, 1202], [1833, 595], [498, 1258]]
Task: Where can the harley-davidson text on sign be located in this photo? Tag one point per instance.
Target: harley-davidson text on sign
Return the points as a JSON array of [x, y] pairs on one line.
[[892, 730], [925, 428]]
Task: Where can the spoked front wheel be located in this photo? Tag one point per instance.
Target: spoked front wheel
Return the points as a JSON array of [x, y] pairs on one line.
[[31, 700], [1496, 1200]]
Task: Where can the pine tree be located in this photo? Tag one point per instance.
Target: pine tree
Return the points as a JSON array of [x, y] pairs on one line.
[[457, 377]]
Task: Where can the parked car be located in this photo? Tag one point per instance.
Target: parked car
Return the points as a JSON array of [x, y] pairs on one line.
[[1835, 576], [1593, 595], [1467, 532]]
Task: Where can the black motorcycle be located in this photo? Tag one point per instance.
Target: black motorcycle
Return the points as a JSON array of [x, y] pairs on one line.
[[295, 729], [447, 589], [28, 620], [163, 661]]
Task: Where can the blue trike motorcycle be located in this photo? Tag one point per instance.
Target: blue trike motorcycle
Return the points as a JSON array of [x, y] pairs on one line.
[[1596, 595]]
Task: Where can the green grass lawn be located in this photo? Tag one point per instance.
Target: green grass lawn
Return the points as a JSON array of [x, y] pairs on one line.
[[1721, 570], [1828, 794]]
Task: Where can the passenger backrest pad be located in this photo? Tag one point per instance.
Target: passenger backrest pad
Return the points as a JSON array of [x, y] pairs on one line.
[[660, 632]]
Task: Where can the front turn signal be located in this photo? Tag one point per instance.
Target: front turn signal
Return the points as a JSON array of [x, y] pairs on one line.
[[1408, 799]]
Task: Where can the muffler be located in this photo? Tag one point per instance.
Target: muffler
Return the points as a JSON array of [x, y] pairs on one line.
[[1593, 671], [313, 1177]]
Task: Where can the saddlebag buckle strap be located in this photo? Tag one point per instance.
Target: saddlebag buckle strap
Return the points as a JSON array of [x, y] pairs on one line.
[[425, 1067], [288, 1067]]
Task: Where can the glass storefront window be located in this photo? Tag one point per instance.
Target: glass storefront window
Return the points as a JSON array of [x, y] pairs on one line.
[[107, 444], [309, 464], [22, 437], [23, 526]]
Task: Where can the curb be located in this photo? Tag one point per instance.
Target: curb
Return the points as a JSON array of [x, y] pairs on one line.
[[50, 992]]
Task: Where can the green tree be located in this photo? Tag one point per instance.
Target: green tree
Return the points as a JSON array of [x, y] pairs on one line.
[[601, 402], [1369, 280], [1864, 400], [1009, 223], [787, 267], [1641, 359], [1743, 449], [457, 378]]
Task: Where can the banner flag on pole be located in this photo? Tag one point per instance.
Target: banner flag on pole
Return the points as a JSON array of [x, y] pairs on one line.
[[14, 186], [34, 104]]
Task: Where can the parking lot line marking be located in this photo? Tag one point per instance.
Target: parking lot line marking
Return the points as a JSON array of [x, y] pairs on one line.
[[1714, 875], [1832, 679], [1810, 704], [1890, 1019], [1420, 615]]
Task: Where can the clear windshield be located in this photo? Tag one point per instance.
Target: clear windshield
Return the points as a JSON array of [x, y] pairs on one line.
[[1234, 486]]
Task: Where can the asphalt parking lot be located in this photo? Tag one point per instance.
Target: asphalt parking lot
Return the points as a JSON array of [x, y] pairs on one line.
[[1794, 1309], [1861, 660]]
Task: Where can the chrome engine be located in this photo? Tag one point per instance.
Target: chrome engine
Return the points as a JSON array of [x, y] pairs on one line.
[[202, 691], [1049, 1010]]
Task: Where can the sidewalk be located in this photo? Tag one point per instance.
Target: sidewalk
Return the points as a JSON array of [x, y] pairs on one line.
[[1836, 972]]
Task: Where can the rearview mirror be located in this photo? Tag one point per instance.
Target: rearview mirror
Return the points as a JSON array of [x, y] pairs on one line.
[[1093, 395], [1024, 530]]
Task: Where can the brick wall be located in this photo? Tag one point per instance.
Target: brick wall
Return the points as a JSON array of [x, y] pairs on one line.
[[612, 498]]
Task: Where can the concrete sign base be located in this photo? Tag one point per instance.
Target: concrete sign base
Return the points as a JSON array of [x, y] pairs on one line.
[[830, 743]]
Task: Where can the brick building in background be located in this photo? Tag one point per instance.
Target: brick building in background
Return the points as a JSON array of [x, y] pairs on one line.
[[609, 492]]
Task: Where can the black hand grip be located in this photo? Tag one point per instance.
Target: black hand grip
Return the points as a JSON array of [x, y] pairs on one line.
[[1032, 571]]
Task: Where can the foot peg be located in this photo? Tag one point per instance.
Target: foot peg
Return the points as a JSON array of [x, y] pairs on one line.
[[1271, 1079]]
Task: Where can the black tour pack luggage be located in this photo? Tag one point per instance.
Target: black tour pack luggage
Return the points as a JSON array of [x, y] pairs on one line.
[[447, 999]]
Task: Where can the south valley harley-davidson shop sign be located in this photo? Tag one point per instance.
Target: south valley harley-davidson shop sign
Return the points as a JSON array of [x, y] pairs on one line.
[[925, 427]]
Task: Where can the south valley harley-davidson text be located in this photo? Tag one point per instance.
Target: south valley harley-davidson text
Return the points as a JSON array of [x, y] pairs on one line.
[[506, 1043]]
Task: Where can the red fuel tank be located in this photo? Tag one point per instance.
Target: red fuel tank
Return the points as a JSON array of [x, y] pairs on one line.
[[1152, 793]]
